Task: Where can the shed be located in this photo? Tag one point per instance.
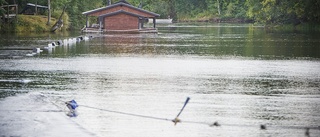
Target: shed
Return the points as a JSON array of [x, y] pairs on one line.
[[120, 17]]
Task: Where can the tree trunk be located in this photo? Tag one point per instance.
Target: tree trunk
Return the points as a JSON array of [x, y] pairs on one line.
[[219, 11], [172, 11], [49, 13]]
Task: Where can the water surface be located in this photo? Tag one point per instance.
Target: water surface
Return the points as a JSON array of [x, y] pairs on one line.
[[240, 76]]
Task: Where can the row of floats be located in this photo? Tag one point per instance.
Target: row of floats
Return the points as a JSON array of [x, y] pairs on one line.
[[65, 42]]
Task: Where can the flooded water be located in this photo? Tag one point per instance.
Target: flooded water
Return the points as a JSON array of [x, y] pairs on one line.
[[239, 76]]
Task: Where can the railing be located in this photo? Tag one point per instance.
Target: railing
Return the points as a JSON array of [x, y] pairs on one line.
[[12, 10]]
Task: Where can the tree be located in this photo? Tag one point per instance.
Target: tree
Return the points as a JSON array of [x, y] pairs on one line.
[[172, 10], [2, 11], [284, 11], [312, 11], [49, 12], [218, 6], [76, 7]]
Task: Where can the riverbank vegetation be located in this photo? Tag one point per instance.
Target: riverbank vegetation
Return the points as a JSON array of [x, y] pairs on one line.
[[34, 23], [296, 14]]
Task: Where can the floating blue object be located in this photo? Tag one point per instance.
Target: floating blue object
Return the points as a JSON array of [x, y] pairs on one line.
[[74, 114], [73, 104]]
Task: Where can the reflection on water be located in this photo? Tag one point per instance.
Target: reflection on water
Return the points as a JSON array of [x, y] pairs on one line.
[[208, 41], [239, 76]]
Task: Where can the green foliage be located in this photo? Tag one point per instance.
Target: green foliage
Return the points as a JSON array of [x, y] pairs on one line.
[[284, 11], [75, 9], [292, 12], [65, 17], [2, 11], [159, 7]]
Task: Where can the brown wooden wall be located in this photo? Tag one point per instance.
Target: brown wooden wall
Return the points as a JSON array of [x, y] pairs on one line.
[[121, 21]]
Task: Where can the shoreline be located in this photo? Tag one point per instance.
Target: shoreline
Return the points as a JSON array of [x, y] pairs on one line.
[[31, 23], [219, 20]]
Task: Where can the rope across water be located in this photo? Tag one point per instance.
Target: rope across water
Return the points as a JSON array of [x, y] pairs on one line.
[[125, 113], [215, 124]]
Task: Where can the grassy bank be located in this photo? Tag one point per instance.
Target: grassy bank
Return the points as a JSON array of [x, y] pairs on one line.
[[33, 23], [27, 23]]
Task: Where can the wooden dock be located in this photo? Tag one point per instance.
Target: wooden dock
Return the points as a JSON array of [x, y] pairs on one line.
[[11, 12], [130, 31]]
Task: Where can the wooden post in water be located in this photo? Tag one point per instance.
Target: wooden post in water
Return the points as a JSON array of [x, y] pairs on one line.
[[154, 22], [87, 22]]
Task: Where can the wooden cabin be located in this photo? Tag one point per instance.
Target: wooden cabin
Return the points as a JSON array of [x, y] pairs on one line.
[[34, 9], [120, 17]]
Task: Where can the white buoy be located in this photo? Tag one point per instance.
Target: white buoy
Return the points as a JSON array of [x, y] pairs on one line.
[[65, 42], [59, 42], [69, 41], [31, 54], [74, 40], [86, 38], [50, 45], [54, 44], [37, 50]]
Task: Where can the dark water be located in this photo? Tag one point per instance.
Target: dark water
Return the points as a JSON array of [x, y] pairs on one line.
[[237, 75]]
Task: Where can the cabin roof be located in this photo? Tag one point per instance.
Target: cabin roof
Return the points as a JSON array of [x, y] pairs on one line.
[[118, 12], [120, 3], [35, 5]]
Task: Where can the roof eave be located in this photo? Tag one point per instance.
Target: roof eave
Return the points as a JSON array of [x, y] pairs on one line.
[[119, 4]]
